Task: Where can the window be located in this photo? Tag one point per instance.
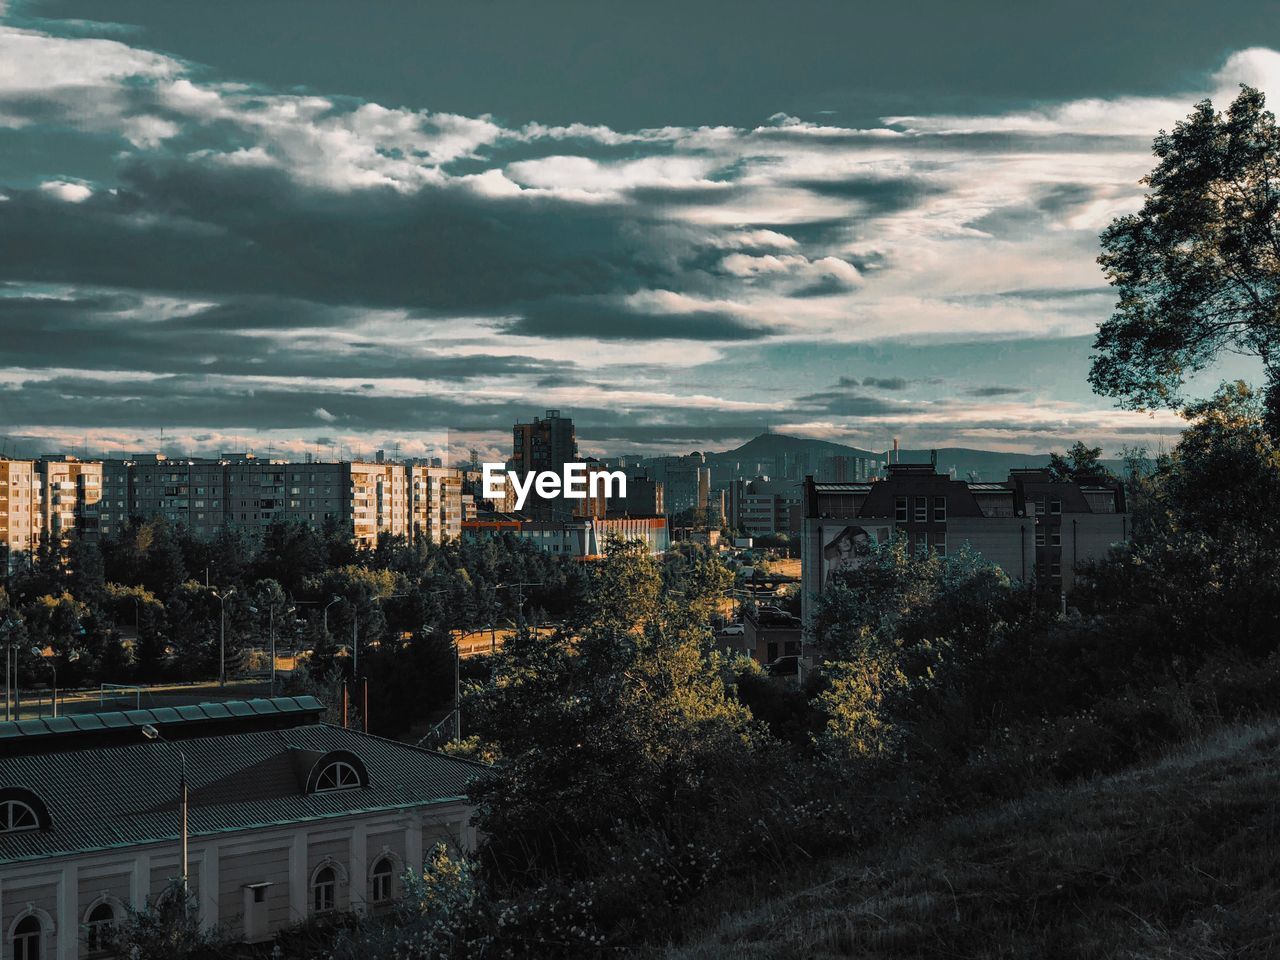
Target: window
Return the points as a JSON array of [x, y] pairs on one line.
[[1038, 506], [15, 816], [338, 775], [26, 939], [98, 925], [1055, 538], [1039, 538], [382, 877], [1055, 506], [922, 509], [939, 509], [900, 509], [324, 890]]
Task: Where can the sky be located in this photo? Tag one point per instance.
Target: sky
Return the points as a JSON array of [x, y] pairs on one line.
[[332, 227]]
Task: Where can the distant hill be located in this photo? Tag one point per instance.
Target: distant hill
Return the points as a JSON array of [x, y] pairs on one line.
[[987, 464]]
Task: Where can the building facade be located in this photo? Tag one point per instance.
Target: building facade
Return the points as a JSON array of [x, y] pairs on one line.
[[763, 507], [20, 511], [288, 818], [545, 444], [582, 539], [63, 497], [1033, 528]]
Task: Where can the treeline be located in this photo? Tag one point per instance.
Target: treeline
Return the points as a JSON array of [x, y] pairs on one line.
[[159, 604]]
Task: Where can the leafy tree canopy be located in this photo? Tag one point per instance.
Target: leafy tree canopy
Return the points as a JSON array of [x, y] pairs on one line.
[[1197, 270]]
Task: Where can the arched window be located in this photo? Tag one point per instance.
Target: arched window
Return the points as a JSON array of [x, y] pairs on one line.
[[99, 923], [18, 815], [324, 890], [338, 775], [26, 938], [383, 875]]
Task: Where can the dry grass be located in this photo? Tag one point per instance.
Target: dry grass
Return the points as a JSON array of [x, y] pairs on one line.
[[1177, 859]]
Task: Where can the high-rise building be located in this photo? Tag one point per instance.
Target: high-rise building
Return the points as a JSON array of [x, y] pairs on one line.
[[70, 490], [435, 503], [379, 501], [546, 444], [686, 481], [19, 512]]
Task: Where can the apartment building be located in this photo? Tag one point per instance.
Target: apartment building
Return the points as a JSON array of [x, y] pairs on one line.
[[70, 490], [63, 497], [1031, 527], [645, 498], [288, 818], [763, 507], [435, 503], [1075, 521], [379, 501], [20, 521], [686, 481], [545, 444]]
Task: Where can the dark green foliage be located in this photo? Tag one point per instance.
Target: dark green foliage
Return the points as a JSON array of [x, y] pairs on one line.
[[1196, 270], [167, 928]]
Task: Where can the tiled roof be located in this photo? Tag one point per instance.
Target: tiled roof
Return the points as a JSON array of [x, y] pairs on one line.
[[108, 797]]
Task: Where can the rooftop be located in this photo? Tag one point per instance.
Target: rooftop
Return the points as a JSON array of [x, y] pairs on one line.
[[104, 797]]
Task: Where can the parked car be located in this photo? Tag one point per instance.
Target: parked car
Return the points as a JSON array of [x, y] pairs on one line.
[[733, 630], [783, 667]]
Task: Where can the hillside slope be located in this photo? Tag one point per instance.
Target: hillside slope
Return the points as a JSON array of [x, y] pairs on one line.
[[1180, 858]]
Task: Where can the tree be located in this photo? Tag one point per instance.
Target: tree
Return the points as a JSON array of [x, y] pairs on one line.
[[625, 721], [167, 928], [1197, 270], [1079, 462]]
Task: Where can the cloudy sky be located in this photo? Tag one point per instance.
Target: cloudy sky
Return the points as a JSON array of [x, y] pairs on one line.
[[320, 225]]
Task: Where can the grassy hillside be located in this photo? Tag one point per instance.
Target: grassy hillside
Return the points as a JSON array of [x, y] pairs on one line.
[[1178, 859]]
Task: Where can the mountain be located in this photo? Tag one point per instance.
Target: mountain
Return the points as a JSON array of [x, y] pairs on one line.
[[768, 448]]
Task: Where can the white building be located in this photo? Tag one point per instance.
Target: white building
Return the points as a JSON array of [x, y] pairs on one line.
[[288, 817]]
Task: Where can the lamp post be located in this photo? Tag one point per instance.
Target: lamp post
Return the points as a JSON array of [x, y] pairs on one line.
[[325, 615], [355, 642], [151, 733], [271, 630], [9, 625], [38, 653], [457, 677], [222, 634]]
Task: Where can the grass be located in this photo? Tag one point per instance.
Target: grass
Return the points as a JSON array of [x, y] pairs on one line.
[[1176, 859]]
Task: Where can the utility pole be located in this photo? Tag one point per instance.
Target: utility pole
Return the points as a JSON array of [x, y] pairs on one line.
[[222, 634], [151, 733]]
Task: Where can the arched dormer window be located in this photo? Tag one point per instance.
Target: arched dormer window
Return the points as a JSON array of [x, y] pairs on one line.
[[337, 770], [337, 775], [21, 810], [16, 815]]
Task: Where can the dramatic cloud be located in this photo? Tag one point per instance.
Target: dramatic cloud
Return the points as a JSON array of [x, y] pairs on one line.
[[184, 248]]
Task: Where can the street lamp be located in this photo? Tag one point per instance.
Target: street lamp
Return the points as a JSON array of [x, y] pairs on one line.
[[457, 677], [271, 627], [151, 733], [336, 599], [9, 625], [222, 634], [355, 631]]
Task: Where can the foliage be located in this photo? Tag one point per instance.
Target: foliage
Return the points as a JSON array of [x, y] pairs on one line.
[[1080, 462], [167, 928], [1196, 270]]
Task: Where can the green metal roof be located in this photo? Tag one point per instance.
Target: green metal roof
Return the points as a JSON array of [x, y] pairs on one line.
[[101, 798]]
